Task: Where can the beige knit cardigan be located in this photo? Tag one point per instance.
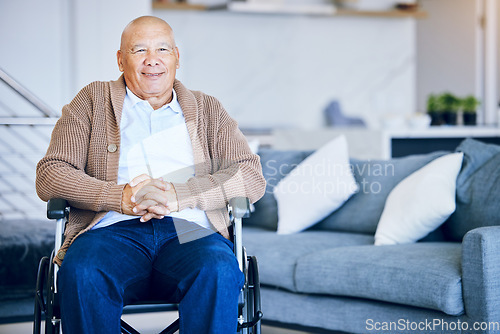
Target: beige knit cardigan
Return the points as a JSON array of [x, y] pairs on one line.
[[81, 163]]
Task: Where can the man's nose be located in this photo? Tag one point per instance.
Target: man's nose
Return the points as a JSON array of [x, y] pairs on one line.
[[151, 59]]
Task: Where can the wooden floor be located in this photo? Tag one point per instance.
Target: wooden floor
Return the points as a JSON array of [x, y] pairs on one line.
[[146, 323]]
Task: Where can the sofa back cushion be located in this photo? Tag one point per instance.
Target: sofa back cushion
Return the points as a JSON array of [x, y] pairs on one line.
[[361, 213], [376, 178], [275, 165], [478, 190]]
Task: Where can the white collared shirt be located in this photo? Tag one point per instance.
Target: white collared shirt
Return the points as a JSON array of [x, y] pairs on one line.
[[156, 143]]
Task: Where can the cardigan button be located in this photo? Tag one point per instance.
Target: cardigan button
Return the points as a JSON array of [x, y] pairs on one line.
[[112, 148], [61, 254]]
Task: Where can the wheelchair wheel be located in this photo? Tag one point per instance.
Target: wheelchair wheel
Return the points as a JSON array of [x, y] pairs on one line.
[[46, 299], [251, 310], [254, 295], [40, 296]]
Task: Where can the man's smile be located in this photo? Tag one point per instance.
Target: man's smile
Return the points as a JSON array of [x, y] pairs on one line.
[[152, 74]]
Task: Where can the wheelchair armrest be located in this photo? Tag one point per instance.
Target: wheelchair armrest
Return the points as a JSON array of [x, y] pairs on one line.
[[240, 207], [56, 208]]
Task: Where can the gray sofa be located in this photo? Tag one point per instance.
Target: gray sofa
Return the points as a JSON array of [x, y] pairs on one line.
[[331, 276], [22, 244]]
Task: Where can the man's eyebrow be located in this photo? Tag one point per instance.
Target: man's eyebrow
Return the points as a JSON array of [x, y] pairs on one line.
[[166, 44], [162, 44]]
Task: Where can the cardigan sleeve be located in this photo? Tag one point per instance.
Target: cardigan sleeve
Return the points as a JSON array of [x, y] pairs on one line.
[[236, 170], [61, 172]]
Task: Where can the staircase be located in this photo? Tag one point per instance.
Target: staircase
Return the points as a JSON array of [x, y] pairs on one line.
[[25, 127], [26, 234]]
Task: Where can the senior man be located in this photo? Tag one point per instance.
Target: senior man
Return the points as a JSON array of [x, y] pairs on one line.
[[147, 165]]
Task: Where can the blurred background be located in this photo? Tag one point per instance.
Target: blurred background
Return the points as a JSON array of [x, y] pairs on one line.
[[291, 72]]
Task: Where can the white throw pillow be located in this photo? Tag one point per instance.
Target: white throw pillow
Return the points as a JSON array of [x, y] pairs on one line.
[[319, 185], [420, 202]]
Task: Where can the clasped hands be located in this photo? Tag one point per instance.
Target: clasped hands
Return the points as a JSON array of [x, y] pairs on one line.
[[149, 198]]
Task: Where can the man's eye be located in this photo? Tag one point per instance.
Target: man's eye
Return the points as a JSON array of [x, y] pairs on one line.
[[140, 51], [165, 50]]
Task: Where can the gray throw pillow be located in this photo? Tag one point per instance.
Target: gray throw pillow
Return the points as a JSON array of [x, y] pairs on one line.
[[376, 178], [476, 154], [275, 165], [478, 189]]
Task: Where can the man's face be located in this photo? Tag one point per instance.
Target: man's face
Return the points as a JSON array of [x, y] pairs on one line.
[[148, 59]]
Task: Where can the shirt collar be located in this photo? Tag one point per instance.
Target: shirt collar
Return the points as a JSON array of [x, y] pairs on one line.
[[173, 104]]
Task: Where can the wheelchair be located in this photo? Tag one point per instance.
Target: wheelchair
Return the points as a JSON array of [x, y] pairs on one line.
[[47, 306]]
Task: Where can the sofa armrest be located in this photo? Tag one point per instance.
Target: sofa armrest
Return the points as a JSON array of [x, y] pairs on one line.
[[481, 273]]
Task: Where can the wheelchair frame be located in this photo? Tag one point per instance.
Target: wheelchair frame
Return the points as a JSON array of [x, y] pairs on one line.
[[46, 296]]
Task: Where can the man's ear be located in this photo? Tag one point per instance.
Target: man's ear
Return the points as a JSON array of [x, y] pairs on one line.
[[119, 60], [178, 56]]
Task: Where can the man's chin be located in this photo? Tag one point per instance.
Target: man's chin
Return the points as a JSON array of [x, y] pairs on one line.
[[158, 93]]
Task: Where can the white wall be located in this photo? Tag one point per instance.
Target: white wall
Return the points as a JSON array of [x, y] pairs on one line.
[[498, 67], [446, 49], [374, 66], [455, 53], [31, 44], [98, 27], [269, 71], [281, 71], [55, 47], [491, 62]]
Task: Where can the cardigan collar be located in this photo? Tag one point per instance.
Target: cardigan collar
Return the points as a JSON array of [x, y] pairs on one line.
[[118, 92], [189, 105], [185, 97], [187, 100]]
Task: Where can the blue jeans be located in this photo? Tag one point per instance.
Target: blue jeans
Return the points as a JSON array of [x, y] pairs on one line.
[[107, 268]]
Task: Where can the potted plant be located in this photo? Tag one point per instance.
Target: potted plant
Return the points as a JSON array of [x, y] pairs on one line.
[[469, 107], [433, 110], [449, 105]]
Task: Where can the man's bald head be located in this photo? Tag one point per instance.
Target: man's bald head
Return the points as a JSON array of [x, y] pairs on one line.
[[149, 59], [145, 22]]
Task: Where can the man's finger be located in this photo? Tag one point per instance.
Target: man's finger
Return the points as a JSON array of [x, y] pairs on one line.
[[159, 210], [150, 200], [157, 196], [148, 216], [154, 186], [144, 205], [138, 179], [139, 211]]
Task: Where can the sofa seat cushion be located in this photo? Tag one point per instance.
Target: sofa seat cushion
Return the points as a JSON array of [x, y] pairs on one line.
[[23, 243], [277, 254], [426, 275]]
